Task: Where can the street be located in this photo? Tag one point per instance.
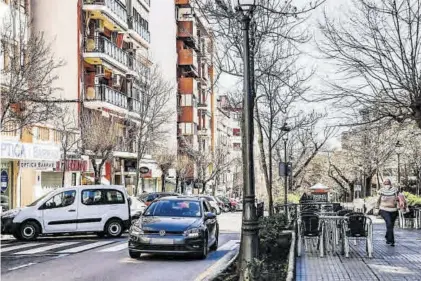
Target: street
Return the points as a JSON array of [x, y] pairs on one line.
[[87, 258]]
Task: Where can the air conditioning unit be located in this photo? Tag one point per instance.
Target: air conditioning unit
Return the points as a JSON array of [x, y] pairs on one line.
[[99, 70], [99, 25], [116, 80]]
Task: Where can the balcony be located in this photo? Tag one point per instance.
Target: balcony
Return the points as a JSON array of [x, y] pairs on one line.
[[187, 31], [139, 32], [134, 105], [100, 48], [188, 57], [108, 10], [188, 86], [104, 93], [182, 2], [125, 145]]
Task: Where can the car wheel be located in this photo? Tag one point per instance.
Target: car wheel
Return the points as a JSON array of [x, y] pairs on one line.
[[114, 228], [29, 231], [205, 250], [214, 247], [134, 255]]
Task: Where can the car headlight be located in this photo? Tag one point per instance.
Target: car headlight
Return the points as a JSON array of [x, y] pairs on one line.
[[136, 231], [10, 213], [192, 233]]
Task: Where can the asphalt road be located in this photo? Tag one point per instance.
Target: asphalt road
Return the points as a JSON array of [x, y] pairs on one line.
[[88, 258]]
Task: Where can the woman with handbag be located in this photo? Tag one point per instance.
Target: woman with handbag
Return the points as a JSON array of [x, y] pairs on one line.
[[388, 205]]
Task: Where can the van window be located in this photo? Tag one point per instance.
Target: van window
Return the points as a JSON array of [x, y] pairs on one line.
[[114, 197], [62, 199], [102, 197]]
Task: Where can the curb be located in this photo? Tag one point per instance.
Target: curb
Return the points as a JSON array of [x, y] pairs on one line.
[[217, 268], [291, 256]]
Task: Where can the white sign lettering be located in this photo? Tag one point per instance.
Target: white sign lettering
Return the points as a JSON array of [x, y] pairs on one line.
[[29, 151], [38, 165]]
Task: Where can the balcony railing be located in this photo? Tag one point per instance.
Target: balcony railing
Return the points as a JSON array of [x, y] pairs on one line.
[[134, 105], [110, 95], [101, 44], [140, 29], [125, 145], [115, 6]]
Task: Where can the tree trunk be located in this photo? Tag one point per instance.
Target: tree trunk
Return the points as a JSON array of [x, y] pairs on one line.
[[63, 175], [163, 182], [263, 163]]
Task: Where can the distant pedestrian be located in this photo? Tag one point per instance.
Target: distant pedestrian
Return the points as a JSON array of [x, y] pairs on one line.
[[388, 204]]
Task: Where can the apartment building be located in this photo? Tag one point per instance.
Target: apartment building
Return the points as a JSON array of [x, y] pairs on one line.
[[195, 74], [105, 44], [228, 135]]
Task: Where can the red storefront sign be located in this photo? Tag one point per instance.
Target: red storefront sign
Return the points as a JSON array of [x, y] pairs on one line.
[[73, 165], [147, 175]]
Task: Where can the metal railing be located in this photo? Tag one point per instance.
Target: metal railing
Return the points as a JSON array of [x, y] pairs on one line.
[[110, 95], [115, 6], [104, 45], [141, 30], [134, 105]]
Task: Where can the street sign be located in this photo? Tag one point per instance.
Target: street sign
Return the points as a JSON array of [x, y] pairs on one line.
[[144, 170], [357, 187], [4, 179]]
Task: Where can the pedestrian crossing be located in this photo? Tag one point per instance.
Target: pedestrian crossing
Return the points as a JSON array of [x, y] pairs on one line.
[[73, 247]]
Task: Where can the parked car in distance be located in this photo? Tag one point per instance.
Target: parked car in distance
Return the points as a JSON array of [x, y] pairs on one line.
[[4, 202], [175, 225], [137, 208], [214, 204], [147, 198], [100, 209], [222, 205]]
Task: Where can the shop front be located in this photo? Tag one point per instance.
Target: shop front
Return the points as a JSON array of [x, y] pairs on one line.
[[21, 165]]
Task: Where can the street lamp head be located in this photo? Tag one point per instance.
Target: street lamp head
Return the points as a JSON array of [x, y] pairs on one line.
[[399, 147], [285, 137], [243, 5]]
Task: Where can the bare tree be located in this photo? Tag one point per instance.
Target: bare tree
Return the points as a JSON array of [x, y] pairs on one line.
[[66, 128], [99, 138], [29, 75], [183, 167], [165, 162], [154, 111], [377, 45]]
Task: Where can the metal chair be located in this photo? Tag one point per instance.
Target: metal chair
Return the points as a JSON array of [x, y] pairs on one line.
[[310, 227], [358, 226], [409, 219]]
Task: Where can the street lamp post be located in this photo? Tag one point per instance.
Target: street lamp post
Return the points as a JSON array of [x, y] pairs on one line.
[[286, 130], [398, 152], [250, 225]]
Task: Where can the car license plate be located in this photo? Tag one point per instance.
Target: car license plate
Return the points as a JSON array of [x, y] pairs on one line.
[[162, 241]]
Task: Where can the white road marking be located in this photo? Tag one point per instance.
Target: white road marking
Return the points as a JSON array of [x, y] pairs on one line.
[[46, 248], [231, 244], [86, 247], [116, 248], [17, 247], [21, 266]]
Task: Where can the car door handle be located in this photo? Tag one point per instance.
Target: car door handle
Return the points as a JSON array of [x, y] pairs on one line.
[[72, 210]]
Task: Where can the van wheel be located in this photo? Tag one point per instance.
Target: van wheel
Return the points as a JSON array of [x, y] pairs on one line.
[[114, 228], [28, 231]]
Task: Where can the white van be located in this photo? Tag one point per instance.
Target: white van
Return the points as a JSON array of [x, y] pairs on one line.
[[102, 209]]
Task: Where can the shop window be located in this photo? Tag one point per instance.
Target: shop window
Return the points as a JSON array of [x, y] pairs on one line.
[[61, 200]]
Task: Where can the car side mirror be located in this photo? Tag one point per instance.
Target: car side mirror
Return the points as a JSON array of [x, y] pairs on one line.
[[210, 216]]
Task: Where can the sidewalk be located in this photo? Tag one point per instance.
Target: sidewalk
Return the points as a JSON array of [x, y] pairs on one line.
[[401, 263]]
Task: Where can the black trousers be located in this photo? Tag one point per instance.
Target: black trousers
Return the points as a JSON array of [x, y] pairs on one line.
[[389, 218]]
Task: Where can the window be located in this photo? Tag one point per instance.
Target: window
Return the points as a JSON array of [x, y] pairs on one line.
[[114, 197], [186, 100], [102, 197], [237, 146], [61, 200], [236, 132], [92, 197], [43, 134], [57, 136]]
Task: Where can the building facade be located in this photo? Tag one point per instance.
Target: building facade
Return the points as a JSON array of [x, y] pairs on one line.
[[195, 74]]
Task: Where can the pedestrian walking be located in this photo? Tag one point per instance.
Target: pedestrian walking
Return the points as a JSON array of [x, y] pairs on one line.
[[388, 204]]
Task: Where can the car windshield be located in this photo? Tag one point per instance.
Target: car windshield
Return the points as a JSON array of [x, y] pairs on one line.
[[39, 199], [174, 208]]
